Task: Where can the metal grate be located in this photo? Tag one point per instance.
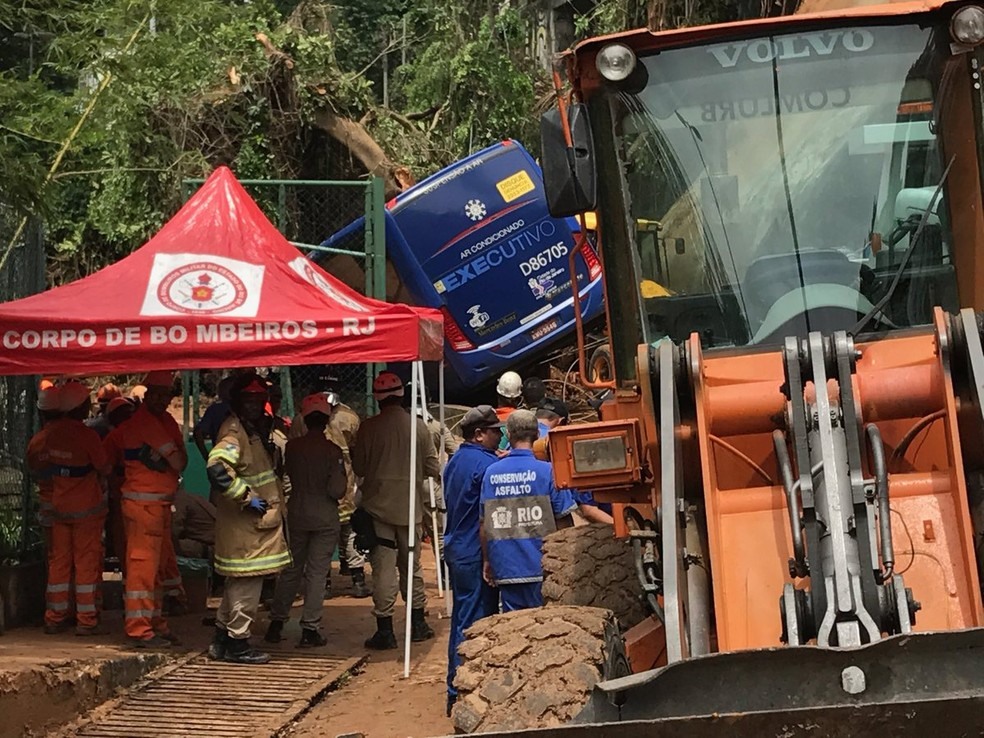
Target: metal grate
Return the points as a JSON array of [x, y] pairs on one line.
[[223, 700]]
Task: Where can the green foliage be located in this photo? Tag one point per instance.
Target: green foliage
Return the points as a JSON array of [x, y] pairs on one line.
[[190, 87]]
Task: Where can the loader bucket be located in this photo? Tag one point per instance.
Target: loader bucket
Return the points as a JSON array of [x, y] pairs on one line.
[[917, 684]]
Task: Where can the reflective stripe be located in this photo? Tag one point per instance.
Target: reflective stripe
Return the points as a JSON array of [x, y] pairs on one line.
[[139, 594], [148, 496], [224, 453], [258, 480], [250, 564], [81, 607], [85, 588], [57, 606], [237, 489], [140, 613], [100, 508], [172, 592], [59, 587], [171, 582]]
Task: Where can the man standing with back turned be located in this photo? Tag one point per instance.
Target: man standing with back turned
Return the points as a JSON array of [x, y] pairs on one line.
[[382, 458]]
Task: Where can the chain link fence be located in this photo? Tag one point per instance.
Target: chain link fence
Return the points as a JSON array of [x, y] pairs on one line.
[[307, 212], [21, 274]]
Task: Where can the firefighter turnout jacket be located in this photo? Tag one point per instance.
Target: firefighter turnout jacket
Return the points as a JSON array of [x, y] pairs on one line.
[[247, 543]]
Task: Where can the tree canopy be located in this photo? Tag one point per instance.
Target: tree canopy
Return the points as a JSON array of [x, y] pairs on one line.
[[107, 105]]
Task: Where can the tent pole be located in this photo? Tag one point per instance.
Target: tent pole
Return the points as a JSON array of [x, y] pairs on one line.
[[433, 494], [412, 526], [444, 462]]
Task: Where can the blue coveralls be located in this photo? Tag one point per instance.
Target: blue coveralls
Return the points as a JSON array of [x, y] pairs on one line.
[[519, 507], [472, 598]]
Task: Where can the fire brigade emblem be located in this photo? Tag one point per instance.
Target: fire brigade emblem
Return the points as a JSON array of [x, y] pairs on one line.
[[501, 518], [202, 288]]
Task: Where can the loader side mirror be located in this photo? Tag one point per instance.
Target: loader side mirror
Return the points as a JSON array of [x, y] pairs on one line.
[[569, 177]]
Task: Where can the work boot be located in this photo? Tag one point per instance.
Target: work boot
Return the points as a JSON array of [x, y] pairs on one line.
[[419, 629], [359, 588], [154, 643], [275, 632], [56, 628], [170, 638], [217, 650], [91, 630], [238, 651], [311, 638], [384, 638]]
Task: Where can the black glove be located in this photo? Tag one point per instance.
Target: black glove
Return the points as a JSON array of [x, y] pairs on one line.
[[146, 458]]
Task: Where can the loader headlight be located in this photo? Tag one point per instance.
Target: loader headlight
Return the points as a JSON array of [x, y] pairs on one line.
[[600, 454], [616, 62], [967, 25]]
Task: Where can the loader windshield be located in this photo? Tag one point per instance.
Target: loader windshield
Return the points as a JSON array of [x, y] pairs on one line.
[[775, 183]]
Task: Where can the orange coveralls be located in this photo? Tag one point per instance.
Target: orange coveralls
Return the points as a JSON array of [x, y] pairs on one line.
[[147, 496], [74, 460]]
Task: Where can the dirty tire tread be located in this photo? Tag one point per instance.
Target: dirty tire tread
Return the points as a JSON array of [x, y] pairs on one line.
[[530, 668], [587, 566]]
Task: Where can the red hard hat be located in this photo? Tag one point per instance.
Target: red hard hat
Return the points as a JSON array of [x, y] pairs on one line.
[[387, 384]]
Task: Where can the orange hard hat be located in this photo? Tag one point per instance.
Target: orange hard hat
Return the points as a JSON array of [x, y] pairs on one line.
[[138, 392], [107, 392], [45, 384]]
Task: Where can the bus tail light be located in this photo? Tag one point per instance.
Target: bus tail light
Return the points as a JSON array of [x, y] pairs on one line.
[[453, 333]]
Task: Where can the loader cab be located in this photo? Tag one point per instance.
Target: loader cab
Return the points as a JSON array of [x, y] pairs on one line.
[[805, 174]]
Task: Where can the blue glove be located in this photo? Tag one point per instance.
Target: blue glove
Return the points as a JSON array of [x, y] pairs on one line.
[[257, 505]]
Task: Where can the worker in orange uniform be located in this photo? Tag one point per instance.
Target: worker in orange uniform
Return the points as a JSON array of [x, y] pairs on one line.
[[37, 455], [77, 464], [249, 504], [118, 411], [153, 455]]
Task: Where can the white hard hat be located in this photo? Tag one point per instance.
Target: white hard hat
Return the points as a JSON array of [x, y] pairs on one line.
[[510, 385], [72, 395]]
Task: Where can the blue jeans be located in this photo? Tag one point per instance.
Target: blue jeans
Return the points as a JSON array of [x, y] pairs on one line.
[[521, 596], [472, 600]]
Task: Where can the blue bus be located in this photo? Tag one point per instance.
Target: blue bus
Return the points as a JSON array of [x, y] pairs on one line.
[[476, 241]]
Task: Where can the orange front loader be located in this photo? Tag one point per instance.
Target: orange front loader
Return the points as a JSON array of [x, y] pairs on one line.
[[794, 441]]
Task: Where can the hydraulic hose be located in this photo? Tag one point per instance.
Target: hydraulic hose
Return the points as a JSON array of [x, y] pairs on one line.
[[879, 465], [792, 503]]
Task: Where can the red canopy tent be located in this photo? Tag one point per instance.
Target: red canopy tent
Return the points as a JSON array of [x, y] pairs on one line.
[[217, 286]]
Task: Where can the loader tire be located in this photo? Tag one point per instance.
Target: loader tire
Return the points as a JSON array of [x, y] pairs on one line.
[[534, 668], [587, 566]]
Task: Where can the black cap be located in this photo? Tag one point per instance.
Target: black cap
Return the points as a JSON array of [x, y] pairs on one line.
[[556, 406], [482, 416]]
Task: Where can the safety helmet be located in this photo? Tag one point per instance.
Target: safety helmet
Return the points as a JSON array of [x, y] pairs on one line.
[[510, 385], [49, 398], [72, 395], [316, 403], [159, 378], [107, 392], [387, 384], [137, 392], [116, 403]]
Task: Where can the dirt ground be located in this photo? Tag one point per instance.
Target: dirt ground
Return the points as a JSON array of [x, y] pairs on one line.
[[376, 702], [379, 702]]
